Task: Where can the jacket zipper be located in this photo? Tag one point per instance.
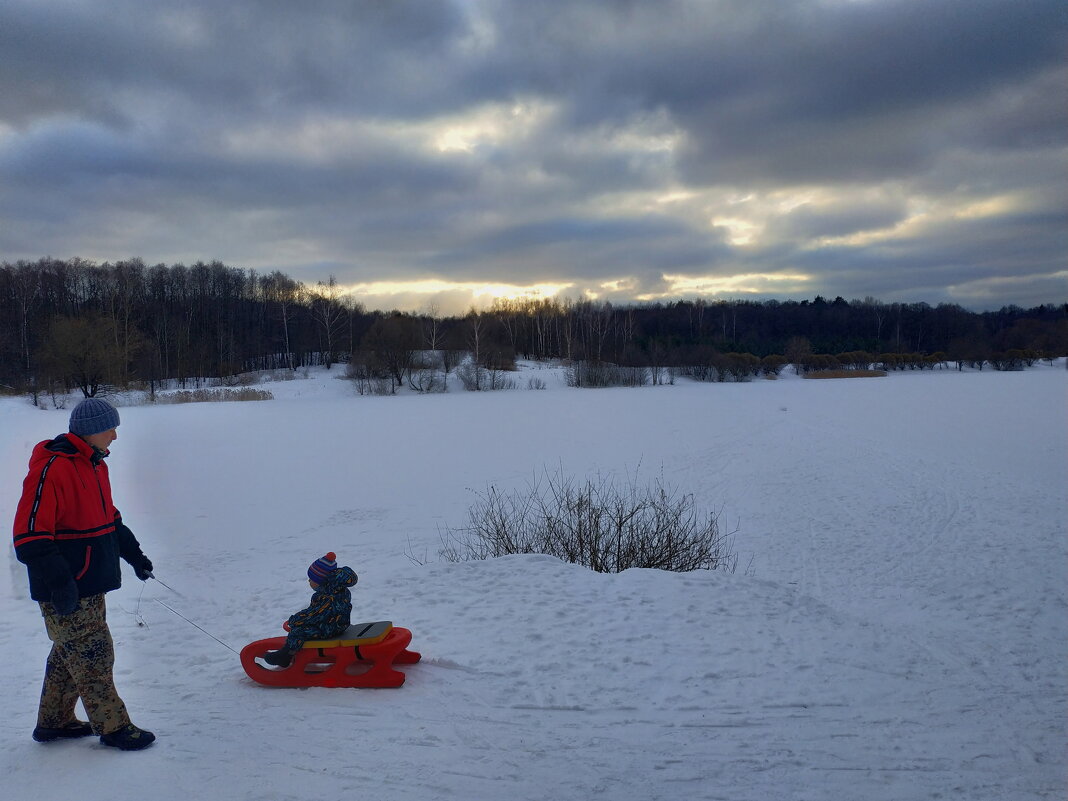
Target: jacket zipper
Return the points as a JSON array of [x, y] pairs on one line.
[[103, 505]]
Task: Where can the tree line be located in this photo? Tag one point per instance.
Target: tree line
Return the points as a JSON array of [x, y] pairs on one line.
[[74, 324]]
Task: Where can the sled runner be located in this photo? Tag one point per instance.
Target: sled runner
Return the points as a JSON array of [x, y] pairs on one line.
[[363, 656]]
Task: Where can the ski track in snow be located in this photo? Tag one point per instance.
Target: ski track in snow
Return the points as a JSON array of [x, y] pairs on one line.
[[902, 632]]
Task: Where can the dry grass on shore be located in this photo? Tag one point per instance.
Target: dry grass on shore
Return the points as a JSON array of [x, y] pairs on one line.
[[846, 374]]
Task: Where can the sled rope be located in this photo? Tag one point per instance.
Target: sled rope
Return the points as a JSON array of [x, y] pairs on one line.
[[137, 611], [165, 584], [191, 623]]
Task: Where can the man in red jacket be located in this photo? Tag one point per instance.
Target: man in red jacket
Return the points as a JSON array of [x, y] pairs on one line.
[[70, 536]]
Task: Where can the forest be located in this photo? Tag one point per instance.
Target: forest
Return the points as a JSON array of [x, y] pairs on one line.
[[74, 324]]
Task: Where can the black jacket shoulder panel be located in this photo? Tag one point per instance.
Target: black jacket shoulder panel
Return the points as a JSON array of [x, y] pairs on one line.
[[62, 445]]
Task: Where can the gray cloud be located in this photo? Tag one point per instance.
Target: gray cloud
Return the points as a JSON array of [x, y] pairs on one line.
[[884, 147]]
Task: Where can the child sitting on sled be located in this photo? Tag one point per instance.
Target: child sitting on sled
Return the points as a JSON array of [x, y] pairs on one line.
[[328, 614]]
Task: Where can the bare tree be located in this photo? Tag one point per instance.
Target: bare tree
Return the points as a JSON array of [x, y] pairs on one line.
[[798, 349], [476, 332], [434, 341], [27, 290], [125, 296], [391, 343], [285, 294], [330, 316], [80, 353]]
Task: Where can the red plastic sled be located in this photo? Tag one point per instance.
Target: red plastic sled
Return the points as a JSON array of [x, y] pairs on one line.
[[363, 656]]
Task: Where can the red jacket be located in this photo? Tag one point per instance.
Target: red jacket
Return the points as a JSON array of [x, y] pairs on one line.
[[66, 525]]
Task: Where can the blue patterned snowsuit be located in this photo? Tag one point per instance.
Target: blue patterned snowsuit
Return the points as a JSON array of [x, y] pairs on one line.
[[328, 614]]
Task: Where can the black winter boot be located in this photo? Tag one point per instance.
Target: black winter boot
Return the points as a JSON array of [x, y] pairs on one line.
[[76, 728], [280, 658], [128, 738]]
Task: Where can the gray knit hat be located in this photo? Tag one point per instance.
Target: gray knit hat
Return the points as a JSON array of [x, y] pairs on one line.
[[92, 416]]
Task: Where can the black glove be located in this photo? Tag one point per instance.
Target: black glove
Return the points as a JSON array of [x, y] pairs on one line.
[[65, 598], [142, 567]]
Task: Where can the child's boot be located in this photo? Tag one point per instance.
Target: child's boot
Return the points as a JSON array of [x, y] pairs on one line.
[[280, 658]]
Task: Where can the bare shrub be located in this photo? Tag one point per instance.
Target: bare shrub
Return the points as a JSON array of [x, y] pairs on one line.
[[535, 383], [938, 359], [855, 360], [1009, 360], [471, 376], [368, 378], [736, 366], [426, 373], [904, 361], [499, 379], [425, 380], [603, 374], [699, 372], [595, 523], [817, 362], [772, 365], [476, 378], [798, 349], [710, 365]]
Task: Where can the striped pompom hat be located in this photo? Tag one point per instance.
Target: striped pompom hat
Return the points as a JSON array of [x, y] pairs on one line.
[[322, 567]]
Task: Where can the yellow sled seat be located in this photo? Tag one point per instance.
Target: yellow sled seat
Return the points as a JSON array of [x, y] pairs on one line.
[[356, 634]]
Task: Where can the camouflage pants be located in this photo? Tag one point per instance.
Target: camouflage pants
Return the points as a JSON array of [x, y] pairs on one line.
[[80, 666]]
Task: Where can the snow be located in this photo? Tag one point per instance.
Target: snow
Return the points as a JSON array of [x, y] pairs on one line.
[[896, 629]]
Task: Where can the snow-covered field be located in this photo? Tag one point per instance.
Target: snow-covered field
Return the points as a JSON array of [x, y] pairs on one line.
[[901, 631]]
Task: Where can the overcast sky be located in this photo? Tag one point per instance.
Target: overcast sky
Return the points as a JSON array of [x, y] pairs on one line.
[[445, 152]]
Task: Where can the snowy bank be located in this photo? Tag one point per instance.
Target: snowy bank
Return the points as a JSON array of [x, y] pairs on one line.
[[901, 631]]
